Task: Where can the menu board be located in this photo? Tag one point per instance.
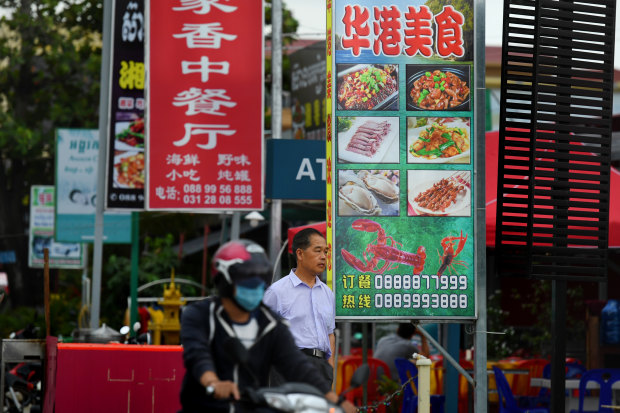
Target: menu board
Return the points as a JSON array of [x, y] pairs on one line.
[[400, 158], [125, 176]]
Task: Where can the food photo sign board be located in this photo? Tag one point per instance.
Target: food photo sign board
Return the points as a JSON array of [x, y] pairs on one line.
[[125, 172], [400, 193], [204, 107]]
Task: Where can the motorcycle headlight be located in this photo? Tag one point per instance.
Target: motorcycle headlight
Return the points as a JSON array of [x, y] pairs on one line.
[[279, 401]]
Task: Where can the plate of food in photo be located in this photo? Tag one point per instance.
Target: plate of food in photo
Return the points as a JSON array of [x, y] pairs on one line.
[[439, 140], [129, 135], [439, 89], [368, 87], [369, 140], [447, 195], [129, 170]]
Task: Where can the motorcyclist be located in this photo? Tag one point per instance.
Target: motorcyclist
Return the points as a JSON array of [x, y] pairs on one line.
[[241, 272]]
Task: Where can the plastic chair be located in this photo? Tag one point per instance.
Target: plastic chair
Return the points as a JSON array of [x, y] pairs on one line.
[[463, 384], [507, 401], [521, 382], [605, 378], [574, 370], [406, 371], [377, 369]]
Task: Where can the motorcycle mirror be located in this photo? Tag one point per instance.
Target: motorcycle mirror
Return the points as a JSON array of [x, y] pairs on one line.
[[360, 376], [124, 330]]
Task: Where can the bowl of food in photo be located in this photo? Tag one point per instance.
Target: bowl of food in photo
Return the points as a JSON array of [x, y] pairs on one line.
[[440, 89]]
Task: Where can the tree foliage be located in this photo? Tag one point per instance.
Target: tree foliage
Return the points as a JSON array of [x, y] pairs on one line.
[[50, 58]]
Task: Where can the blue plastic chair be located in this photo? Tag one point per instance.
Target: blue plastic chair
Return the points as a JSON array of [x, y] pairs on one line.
[[573, 371], [407, 369], [507, 402], [605, 378]]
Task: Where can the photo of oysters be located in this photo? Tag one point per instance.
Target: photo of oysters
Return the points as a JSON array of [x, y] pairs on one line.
[[368, 192]]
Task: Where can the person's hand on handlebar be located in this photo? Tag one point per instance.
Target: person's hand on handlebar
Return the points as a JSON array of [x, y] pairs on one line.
[[225, 390], [346, 405]]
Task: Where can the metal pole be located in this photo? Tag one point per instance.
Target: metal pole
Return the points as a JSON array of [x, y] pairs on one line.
[[135, 264], [424, 383], [204, 260], [480, 338], [234, 225], [275, 226], [558, 344], [108, 6]]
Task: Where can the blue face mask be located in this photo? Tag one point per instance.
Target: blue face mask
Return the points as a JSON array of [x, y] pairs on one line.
[[249, 298]]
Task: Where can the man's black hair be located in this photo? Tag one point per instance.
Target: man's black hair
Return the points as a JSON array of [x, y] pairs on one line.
[[302, 239], [405, 330]]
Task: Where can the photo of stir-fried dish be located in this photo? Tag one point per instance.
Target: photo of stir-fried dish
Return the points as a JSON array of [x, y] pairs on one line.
[[439, 90], [133, 134], [439, 141], [129, 171], [370, 87]]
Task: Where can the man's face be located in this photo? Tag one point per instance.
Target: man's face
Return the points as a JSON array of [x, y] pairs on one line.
[[313, 258]]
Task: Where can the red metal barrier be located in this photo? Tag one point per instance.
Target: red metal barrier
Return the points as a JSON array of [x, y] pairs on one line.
[[107, 378]]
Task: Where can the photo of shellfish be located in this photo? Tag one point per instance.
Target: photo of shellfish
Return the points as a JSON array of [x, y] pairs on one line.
[[439, 193], [368, 192]]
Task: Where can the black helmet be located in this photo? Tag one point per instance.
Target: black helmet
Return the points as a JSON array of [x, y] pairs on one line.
[[237, 261]]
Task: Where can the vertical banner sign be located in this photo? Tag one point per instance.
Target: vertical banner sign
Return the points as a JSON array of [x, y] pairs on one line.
[[400, 158], [308, 92], [61, 255], [125, 173], [76, 190], [205, 105]]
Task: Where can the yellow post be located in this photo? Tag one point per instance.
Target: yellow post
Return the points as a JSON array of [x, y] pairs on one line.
[[424, 383]]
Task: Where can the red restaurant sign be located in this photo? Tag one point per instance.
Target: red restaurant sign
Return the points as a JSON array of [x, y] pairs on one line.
[[205, 105]]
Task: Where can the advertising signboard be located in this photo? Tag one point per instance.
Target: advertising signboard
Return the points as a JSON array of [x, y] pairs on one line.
[[308, 92], [125, 175], [77, 151], [295, 169], [400, 159], [41, 236], [204, 106]]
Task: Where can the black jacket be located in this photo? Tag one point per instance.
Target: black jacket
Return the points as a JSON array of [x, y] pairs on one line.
[[205, 331]]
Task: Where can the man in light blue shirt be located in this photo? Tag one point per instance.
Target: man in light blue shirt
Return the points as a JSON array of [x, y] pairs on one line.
[[307, 302]]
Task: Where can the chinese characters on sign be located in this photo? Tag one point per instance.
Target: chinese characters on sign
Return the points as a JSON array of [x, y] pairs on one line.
[[125, 164], [417, 31], [400, 193], [205, 105]]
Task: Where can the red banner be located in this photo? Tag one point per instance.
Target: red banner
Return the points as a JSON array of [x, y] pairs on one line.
[[205, 105]]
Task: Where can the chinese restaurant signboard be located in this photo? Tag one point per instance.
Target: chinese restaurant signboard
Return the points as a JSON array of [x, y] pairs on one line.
[[400, 159], [125, 163], [205, 105]]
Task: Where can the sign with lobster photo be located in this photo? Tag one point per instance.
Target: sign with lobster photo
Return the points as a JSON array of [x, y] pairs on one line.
[[400, 159]]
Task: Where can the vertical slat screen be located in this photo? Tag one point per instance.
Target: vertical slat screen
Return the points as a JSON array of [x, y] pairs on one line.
[[555, 139]]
